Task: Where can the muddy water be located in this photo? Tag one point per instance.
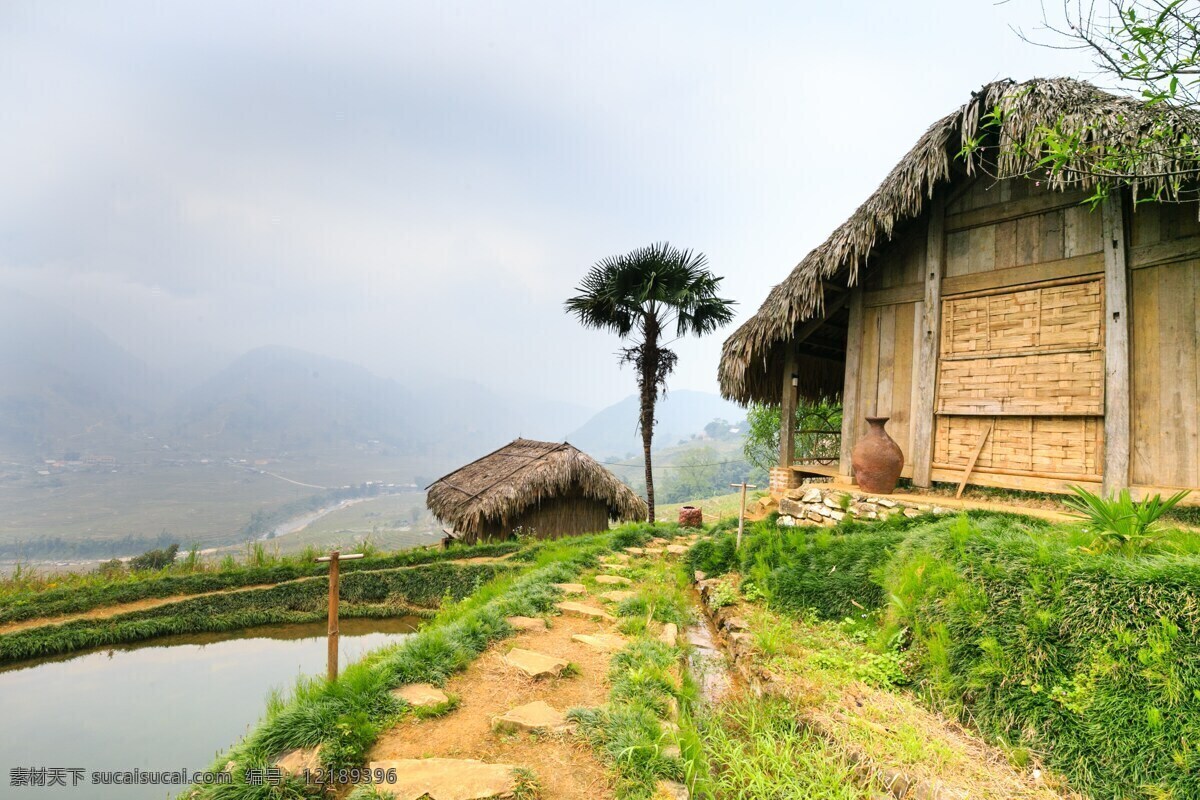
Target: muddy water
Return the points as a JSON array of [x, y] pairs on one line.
[[167, 705]]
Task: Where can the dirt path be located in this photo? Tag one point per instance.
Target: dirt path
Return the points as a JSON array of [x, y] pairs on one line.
[[106, 612], [565, 765]]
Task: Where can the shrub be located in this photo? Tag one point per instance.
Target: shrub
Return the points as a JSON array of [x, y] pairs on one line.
[[155, 559], [1118, 520]]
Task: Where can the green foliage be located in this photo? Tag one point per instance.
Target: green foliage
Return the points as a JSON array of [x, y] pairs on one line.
[[723, 594], [1118, 520], [72, 594], [1092, 660], [155, 559], [818, 425], [363, 594]]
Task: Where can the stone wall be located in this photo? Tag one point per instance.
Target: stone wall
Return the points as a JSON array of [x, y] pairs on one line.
[[815, 505]]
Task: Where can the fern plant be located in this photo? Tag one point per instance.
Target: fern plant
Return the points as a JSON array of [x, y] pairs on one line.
[[1120, 522]]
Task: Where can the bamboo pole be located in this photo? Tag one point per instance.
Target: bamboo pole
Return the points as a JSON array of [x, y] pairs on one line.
[[334, 559], [742, 513]]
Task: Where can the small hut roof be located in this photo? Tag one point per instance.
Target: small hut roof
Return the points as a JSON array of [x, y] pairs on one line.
[[504, 483], [752, 357]]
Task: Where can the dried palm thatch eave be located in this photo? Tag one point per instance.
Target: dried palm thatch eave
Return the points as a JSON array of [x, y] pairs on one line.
[[752, 357], [503, 484]]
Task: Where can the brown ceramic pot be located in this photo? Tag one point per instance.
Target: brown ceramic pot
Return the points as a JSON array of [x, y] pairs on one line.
[[877, 459], [691, 517]]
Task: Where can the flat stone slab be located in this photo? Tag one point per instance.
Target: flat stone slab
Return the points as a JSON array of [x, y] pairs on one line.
[[528, 623], [446, 779], [604, 642], [618, 596], [621, 557], [535, 665], [421, 695], [570, 588], [536, 717], [652, 551], [613, 580], [295, 762], [658, 540], [670, 790], [669, 635], [583, 610], [677, 549], [634, 551]]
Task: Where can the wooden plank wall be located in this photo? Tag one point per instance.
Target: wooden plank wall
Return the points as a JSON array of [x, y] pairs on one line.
[[1165, 346], [887, 366]]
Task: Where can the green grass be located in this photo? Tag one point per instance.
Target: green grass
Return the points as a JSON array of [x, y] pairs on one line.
[[31, 596], [347, 716], [362, 594], [1090, 659], [757, 750]]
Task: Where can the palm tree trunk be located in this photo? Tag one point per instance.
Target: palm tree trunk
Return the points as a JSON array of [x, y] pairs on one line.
[[648, 381]]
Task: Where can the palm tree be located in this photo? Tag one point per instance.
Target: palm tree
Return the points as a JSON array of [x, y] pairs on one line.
[[639, 296]]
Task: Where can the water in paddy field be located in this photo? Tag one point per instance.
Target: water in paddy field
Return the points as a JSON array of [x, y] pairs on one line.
[[166, 705]]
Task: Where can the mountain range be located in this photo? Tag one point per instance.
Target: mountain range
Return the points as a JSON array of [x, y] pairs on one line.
[[67, 389]]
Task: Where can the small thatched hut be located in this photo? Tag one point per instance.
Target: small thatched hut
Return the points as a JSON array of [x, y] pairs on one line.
[[1015, 336], [546, 489]]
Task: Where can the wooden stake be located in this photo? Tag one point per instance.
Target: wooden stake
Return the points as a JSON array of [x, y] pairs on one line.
[[975, 457], [742, 514], [334, 559]]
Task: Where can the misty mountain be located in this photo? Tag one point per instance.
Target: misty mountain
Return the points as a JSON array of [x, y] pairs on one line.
[[64, 385], [613, 432]]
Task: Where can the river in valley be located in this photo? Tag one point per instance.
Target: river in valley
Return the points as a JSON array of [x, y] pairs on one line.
[[170, 704]]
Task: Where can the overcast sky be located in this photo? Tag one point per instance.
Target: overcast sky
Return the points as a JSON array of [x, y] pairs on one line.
[[420, 185]]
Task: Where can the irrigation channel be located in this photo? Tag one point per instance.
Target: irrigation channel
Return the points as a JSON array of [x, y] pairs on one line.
[[166, 705]]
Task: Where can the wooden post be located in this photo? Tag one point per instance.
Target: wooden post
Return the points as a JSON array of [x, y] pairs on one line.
[[851, 413], [1116, 346], [742, 514], [931, 326], [334, 559], [787, 410]]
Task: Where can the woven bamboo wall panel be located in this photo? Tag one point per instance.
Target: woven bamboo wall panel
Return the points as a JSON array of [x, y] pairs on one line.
[[1067, 446], [1051, 317], [1040, 384]]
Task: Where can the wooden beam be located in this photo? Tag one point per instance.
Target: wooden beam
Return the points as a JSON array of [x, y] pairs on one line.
[[850, 399], [1003, 212], [787, 409], [927, 348], [1116, 345], [1151, 255]]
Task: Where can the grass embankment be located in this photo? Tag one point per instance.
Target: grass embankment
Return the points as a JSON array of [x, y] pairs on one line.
[[367, 593], [345, 718], [35, 596], [1090, 660], [657, 726]]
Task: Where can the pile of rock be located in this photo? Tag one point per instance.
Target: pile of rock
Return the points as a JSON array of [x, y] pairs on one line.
[[807, 505]]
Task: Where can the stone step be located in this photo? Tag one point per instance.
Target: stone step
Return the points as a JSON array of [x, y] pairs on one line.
[[584, 611], [670, 790], [618, 596], [678, 549], [421, 695], [535, 665], [613, 580], [446, 779], [536, 717], [669, 635], [571, 588], [534, 624], [604, 642], [634, 551]]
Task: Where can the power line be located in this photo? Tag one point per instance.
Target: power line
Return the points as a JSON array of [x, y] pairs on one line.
[[676, 466]]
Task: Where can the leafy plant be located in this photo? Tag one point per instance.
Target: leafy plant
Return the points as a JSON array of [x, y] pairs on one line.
[[723, 594], [1119, 520]]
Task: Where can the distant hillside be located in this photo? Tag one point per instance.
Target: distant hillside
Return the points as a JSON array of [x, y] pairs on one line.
[[65, 386], [613, 432]]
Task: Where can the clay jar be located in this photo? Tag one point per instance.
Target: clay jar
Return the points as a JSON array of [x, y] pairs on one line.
[[877, 459], [691, 517]]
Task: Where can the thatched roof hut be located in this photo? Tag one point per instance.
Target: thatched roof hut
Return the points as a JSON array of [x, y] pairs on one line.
[[1013, 333], [548, 489]]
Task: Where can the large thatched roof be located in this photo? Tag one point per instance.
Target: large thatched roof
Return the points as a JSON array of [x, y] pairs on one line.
[[503, 484], [752, 358]]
